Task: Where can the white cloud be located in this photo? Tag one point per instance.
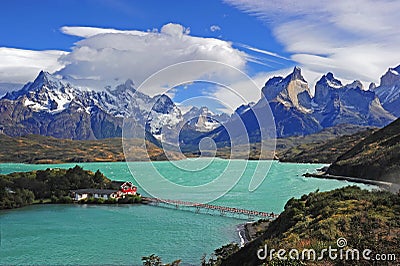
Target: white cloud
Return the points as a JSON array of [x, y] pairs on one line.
[[214, 28], [354, 39], [245, 90], [261, 51], [87, 32], [19, 66], [108, 54]]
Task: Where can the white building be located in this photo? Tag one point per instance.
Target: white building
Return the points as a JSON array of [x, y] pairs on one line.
[[81, 194]]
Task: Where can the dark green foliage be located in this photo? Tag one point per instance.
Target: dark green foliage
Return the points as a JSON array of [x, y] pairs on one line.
[[154, 260], [226, 251], [20, 189], [15, 198], [99, 178], [376, 157], [111, 201], [277, 262], [94, 201], [220, 254], [65, 200], [130, 199], [368, 220]]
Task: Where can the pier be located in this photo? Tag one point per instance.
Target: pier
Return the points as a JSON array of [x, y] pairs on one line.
[[210, 209]]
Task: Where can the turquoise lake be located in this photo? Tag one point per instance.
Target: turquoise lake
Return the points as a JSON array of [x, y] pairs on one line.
[[112, 234]]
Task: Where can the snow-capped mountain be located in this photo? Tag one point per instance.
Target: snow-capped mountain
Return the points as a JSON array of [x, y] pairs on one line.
[[203, 120], [297, 113], [290, 101], [164, 113], [291, 91], [336, 104], [389, 91], [324, 88], [54, 107], [244, 108], [57, 107], [196, 123]]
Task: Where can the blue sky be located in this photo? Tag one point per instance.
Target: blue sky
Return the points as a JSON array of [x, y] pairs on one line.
[[100, 40], [36, 24]]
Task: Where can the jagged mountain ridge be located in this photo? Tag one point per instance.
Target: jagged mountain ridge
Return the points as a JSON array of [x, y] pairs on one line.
[[196, 122], [203, 120], [291, 91], [52, 107], [297, 113], [389, 90], [333, 103]]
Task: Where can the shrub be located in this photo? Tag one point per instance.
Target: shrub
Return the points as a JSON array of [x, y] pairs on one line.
[[65, 200], [54, 199], [111, 201]]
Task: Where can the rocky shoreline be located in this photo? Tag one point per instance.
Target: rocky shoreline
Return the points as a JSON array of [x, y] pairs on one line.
[[251, 230]]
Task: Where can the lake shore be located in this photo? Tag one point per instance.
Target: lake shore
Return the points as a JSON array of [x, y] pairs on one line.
[[389, 186], [251, 230]]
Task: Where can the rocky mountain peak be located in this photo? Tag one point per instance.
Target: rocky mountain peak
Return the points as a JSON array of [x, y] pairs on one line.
[[129, 84], [372, 86], [291, 91], [329, 75], [101, 110], [296, 74], [391, 77], [325, 88], [244, 108], [355, 85], [43, 79], [389, 91], [330, 81]]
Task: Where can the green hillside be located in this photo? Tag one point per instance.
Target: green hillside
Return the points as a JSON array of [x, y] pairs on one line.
[[322, 150], [367, 220], [376, 157]]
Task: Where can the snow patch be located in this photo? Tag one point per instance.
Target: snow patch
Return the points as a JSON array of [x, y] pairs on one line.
[[394, 71], [333, 84]]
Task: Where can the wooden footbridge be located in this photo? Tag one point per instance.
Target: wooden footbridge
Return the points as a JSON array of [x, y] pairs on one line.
[[210, 209]]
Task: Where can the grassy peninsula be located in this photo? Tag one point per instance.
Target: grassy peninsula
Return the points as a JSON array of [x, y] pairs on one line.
[[50, 185]]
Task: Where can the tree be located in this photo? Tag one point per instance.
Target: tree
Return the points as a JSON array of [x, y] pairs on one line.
[[152, 260], [98, 178]]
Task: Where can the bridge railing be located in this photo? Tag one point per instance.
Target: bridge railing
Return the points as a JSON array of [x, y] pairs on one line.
[[221, 209]]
